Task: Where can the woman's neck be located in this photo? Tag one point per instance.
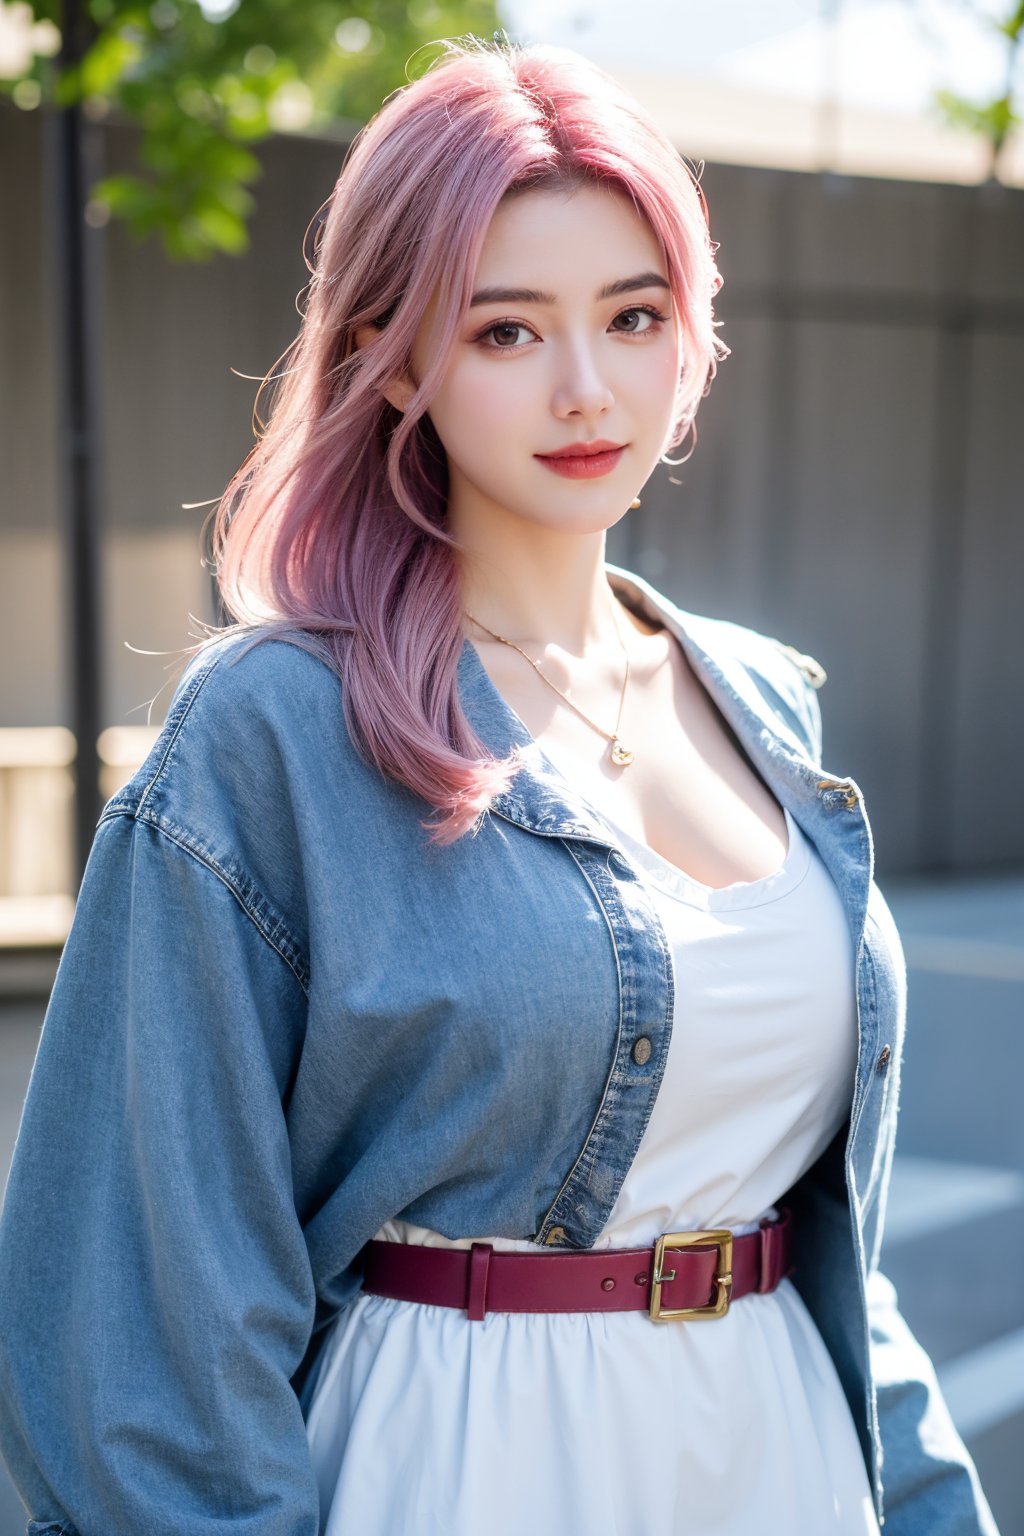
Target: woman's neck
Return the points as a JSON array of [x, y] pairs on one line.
[[528, 597]]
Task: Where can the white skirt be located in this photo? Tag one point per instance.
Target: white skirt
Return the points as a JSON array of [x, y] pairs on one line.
[[584, 1424]]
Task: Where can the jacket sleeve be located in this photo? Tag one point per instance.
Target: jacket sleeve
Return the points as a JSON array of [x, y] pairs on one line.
[[929, 1480], [156, 1295]]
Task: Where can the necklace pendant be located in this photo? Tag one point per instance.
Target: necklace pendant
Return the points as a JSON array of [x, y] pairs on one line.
[[621, 755]]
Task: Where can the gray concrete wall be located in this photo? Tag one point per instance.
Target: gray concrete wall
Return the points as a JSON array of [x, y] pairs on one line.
[[856, 489]]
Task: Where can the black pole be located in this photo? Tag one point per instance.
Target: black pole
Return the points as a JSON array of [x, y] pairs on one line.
[[73, 150]]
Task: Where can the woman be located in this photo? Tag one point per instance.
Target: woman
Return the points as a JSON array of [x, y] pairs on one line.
[[521, 1168]]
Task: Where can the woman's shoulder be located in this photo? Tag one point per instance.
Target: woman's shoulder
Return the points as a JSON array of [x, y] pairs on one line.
[[246, 665], [779, 661], [253, 711], [786, 677], [253, 745]]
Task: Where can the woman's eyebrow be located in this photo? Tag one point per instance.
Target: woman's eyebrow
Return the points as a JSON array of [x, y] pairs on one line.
[[534, 296]]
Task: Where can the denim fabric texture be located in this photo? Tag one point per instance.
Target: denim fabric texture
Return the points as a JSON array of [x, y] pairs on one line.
[[282, 1018]]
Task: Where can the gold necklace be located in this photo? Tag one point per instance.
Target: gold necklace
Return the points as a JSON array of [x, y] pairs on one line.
[[620, 755]]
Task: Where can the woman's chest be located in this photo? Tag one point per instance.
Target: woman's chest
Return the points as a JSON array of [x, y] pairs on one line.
[[688, 791]]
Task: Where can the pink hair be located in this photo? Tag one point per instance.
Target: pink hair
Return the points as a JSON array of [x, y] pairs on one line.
[[332, 532]]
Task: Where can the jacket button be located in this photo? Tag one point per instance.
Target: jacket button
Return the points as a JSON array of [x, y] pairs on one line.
[[642, 1051], [617, 863], [883, 1059], [555, 1235]]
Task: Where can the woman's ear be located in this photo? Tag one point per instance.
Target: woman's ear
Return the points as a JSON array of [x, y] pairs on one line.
[[401, 391]]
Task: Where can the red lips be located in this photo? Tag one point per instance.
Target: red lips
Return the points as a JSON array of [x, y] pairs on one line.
[[583, 450]]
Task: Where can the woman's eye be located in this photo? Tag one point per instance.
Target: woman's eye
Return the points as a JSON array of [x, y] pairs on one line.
[[638, 313], [503, 335]]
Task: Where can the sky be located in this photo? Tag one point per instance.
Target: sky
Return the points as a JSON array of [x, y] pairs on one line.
[[883, 54]]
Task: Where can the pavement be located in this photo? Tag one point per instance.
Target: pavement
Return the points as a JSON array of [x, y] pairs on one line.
[[954, 1234]]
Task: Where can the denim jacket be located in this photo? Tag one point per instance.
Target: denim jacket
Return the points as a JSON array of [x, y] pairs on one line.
[[282, 1018]]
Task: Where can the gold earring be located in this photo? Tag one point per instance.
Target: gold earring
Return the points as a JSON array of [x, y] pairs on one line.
[[635, 502]]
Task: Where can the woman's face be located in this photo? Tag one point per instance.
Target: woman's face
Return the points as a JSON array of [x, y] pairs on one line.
[[549, 357]]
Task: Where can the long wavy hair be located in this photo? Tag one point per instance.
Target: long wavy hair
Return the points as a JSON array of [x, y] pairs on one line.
[[332, 531]]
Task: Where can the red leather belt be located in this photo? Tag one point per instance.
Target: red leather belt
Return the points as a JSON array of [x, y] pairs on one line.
[[683, 1275]]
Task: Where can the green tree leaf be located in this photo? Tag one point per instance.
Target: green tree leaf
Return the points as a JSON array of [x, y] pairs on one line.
[[204, 92]]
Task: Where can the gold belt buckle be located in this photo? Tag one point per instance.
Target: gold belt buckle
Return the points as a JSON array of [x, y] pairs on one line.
[[721, 1237]]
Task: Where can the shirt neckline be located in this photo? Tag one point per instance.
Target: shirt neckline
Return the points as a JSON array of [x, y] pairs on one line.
[[738, 896]]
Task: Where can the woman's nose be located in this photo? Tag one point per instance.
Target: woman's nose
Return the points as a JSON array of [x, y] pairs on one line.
[[581, 387]]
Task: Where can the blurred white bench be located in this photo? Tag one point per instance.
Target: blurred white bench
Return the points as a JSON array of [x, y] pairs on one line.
[[36, 802]]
